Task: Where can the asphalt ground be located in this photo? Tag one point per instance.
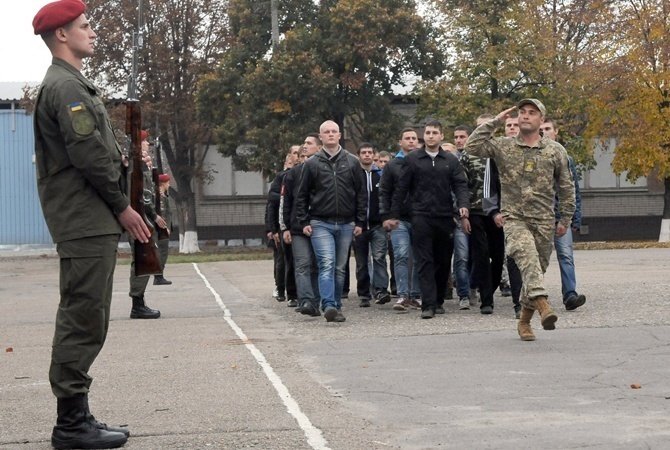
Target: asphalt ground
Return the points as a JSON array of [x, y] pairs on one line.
[[228, 367]]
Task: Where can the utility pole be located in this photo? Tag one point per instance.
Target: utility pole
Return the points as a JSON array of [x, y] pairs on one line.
[[274, 15]]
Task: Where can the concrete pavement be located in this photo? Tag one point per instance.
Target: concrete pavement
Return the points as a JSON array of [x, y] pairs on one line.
[[380, 380]]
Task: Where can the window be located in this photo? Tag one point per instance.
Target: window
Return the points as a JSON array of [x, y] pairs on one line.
[[603, 177], [227, 182]]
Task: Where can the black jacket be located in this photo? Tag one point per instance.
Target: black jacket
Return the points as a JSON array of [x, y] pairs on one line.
[[429, 183], [272, 207], [330, 190], [388, 184], [371, 186], [288, 190]]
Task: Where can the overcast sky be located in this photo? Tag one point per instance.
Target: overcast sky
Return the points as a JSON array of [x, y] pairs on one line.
[[24, 55]]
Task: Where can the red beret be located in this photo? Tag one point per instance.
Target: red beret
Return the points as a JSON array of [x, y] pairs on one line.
[[57, 14], [144, 135], [163, 177]]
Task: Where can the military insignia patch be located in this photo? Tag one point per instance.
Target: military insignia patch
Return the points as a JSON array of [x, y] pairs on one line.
[[83, 122]]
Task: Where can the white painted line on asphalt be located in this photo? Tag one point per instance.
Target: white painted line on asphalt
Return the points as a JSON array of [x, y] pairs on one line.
[[314, 435]]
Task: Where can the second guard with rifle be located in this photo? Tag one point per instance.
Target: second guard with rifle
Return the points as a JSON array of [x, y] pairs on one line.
[[162, 187], [146, 259], [138, 282]]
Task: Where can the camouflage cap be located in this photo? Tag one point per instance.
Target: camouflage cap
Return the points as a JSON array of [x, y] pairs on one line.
[[535, 102]]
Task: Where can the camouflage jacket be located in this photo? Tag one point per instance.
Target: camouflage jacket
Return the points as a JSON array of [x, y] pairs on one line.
[[475, 167], [530, 177]]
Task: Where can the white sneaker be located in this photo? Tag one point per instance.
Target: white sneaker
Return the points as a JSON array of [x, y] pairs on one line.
[[401, 305], [275, 293], [464, 303]]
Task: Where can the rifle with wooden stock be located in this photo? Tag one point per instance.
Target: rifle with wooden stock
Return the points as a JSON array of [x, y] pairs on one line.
[[145, 255]]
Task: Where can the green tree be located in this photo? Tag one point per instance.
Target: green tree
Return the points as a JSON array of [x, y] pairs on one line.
[[633, 104], [183, 38], [505, 50], [329, 65]]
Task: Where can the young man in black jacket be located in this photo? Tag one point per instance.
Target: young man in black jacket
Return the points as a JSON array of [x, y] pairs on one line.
[[306, 271], [283, 256], [430, 176], [331, 209], [372, 240]]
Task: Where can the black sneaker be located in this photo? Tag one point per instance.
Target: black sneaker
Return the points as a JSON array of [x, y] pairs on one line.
[[292, 303], [517, 311], [439, 310], [574, 301], [339, 317], [330, 313], [280, 298], [505, 290], [427, 313], [365, 303], [382, 298], [486, 309], [309, 310]]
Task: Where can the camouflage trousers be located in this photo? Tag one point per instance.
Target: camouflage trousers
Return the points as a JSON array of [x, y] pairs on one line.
[[530, 245]]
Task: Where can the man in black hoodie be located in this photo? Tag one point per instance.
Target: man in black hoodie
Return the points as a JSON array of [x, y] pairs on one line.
[[372, 240], [331, 209], [430, 176]]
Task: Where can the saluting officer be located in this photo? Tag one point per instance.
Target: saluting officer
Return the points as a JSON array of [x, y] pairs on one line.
[[81, 184]]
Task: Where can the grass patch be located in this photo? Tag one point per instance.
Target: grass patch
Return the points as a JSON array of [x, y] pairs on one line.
[[211, 255], [619, 245]]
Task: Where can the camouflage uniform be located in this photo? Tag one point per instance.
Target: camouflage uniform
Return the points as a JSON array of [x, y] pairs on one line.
[[529, 178]]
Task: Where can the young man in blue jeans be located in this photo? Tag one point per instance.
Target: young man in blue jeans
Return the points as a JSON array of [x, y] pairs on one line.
[[563, 244], [331, 210]]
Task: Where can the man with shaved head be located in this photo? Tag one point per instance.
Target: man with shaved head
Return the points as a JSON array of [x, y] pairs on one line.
[[331, 208]]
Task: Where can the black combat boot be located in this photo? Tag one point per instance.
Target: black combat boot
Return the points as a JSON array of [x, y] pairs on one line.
[[142, 311], [160, 279], [100, 425], [73, 430]]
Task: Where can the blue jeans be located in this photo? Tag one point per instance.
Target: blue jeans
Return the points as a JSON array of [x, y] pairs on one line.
[[306, 272], [331, 242], [401, 240], [371, 242], [566, 262], [461, 255]]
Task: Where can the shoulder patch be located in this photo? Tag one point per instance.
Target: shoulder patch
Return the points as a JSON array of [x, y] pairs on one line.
[[83, 122]]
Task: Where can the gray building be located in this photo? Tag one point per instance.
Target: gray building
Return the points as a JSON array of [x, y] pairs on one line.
[[21, 219]]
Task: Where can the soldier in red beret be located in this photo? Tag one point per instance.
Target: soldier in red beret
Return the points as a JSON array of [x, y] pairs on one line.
[[82, 189]]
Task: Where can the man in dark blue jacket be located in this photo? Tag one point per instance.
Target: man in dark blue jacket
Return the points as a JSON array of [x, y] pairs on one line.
[[331, 209], [430, 176], [407, 282]]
